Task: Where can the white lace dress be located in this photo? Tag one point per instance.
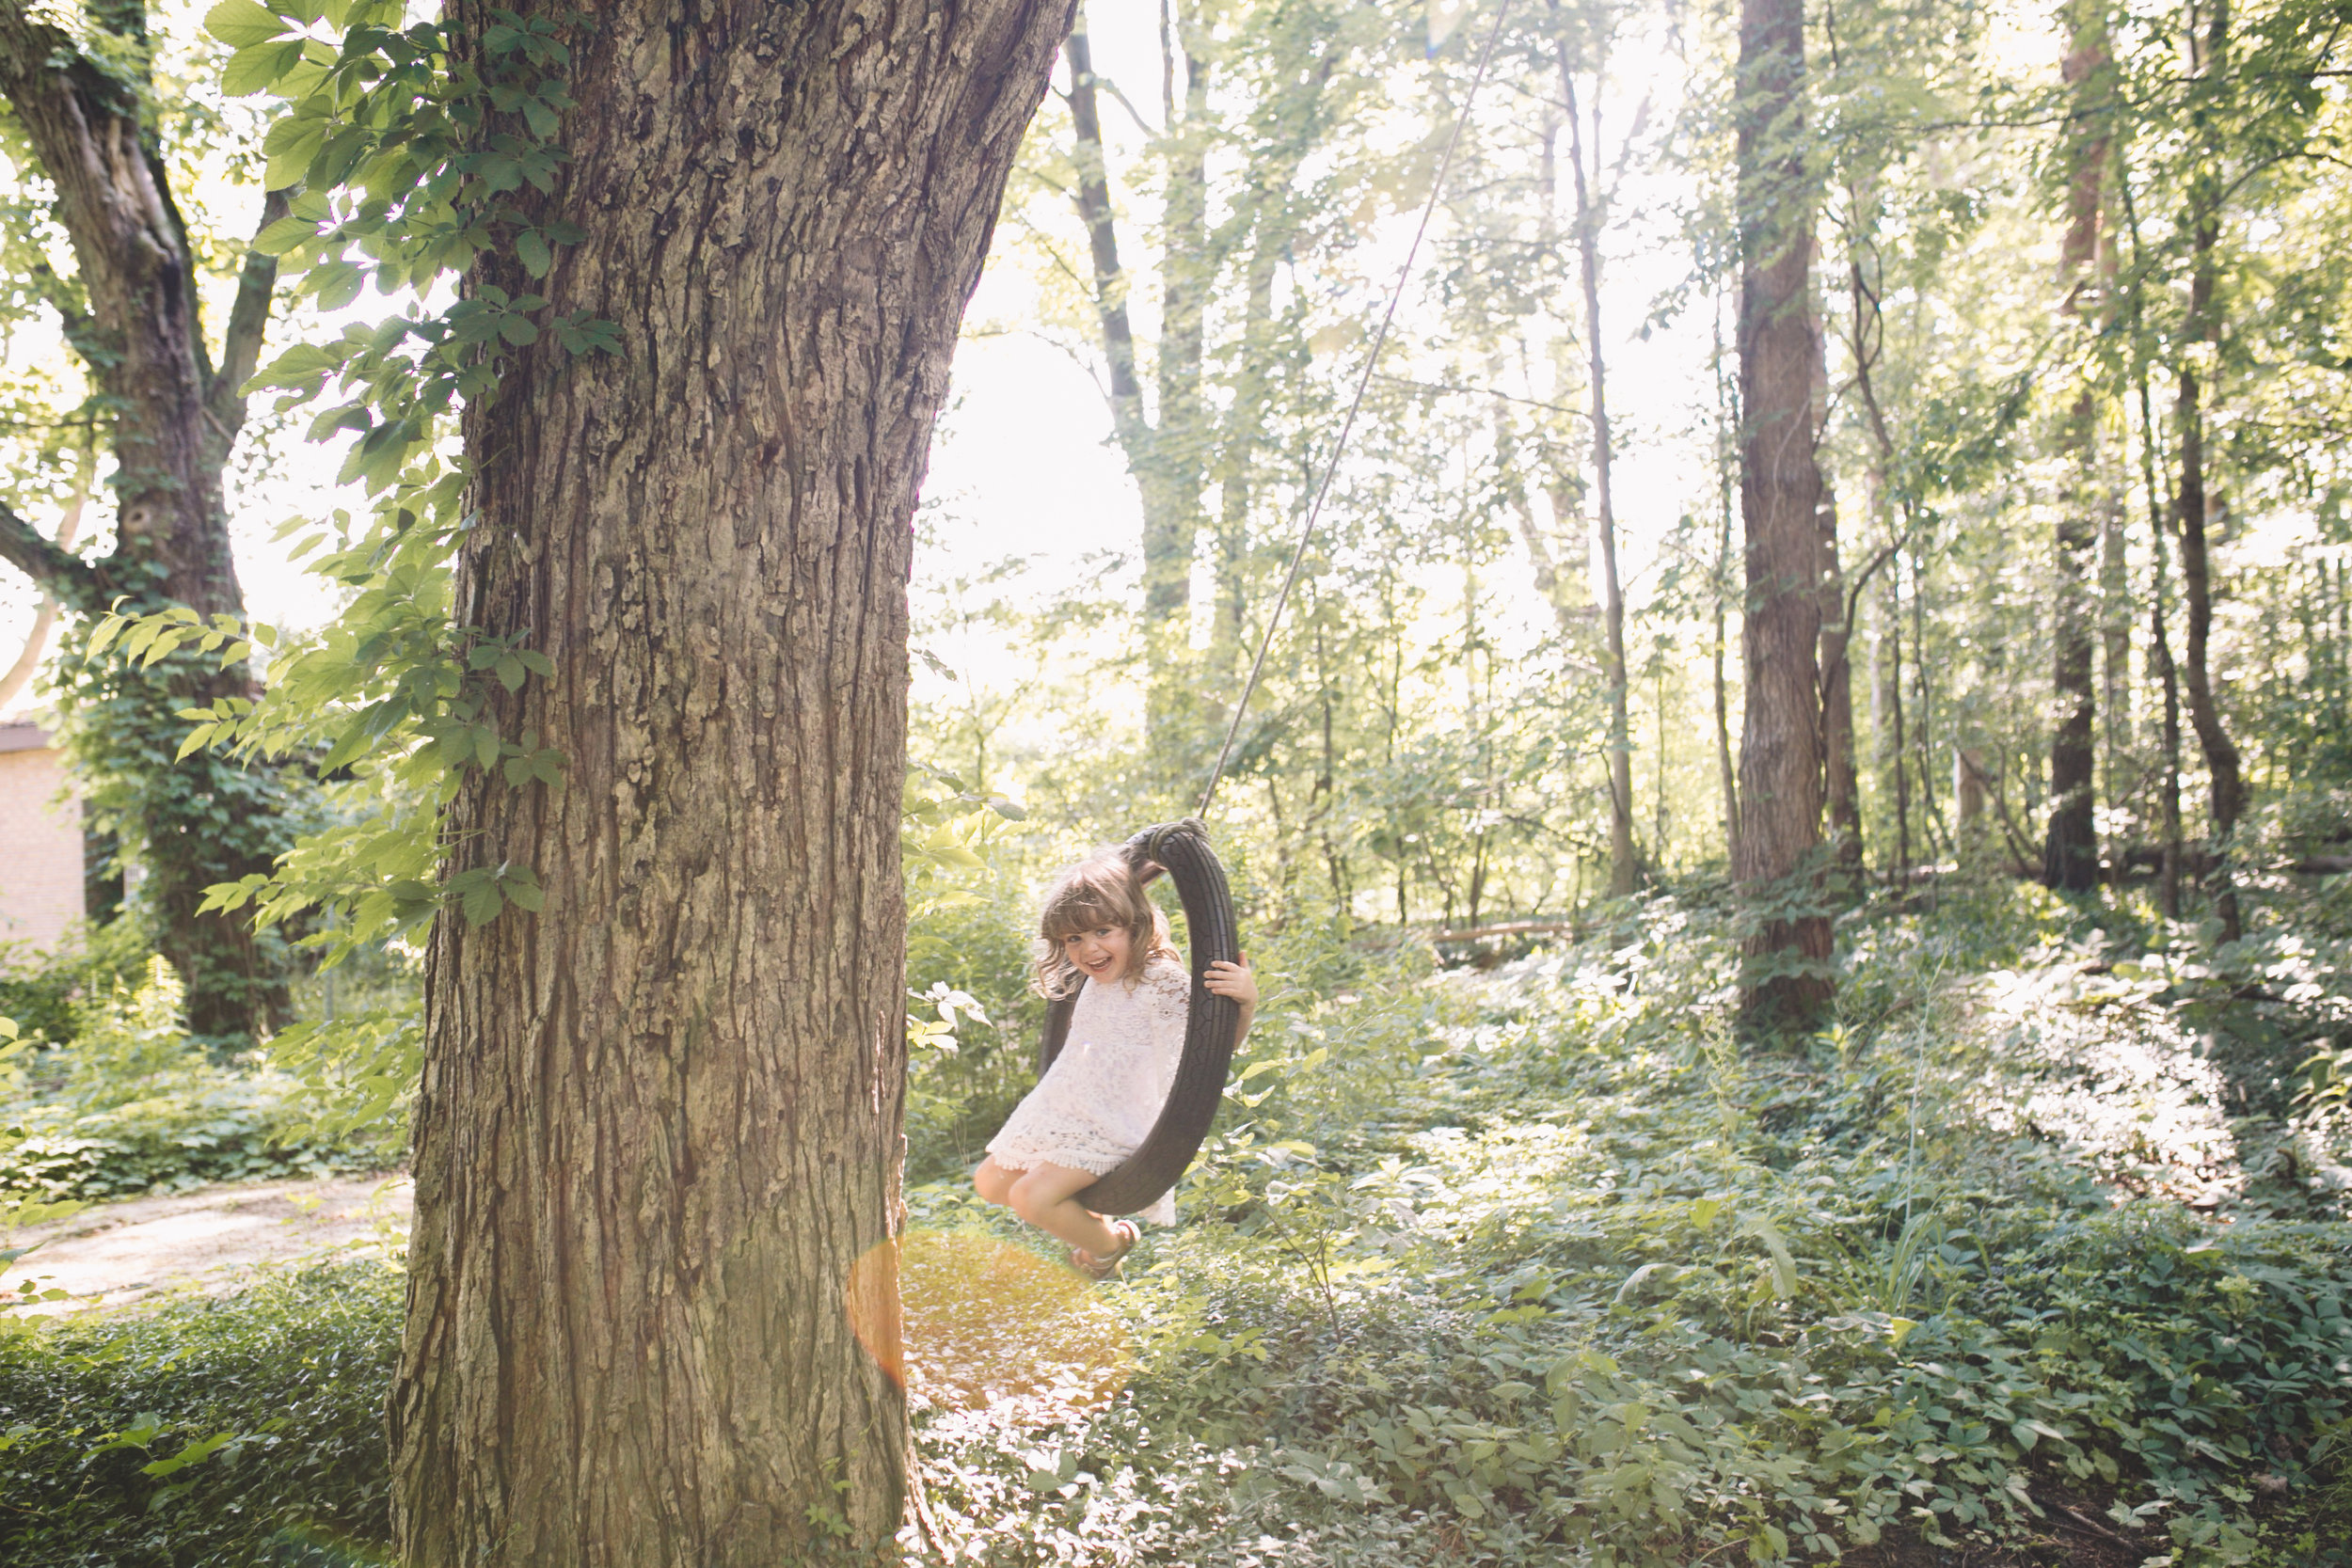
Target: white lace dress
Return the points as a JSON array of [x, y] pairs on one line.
[[1097, 1102]]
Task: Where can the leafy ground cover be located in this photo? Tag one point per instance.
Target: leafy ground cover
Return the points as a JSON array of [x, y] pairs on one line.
[[2041, 1257]]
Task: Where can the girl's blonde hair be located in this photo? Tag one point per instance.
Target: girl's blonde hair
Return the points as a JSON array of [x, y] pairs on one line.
[[1103, 889]]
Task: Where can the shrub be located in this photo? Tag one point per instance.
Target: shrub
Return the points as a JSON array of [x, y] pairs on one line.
[[132, 1103], [42, 991], [206, 1434]]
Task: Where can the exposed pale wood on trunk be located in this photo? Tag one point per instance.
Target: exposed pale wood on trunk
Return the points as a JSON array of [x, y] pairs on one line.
[[659, 1122]]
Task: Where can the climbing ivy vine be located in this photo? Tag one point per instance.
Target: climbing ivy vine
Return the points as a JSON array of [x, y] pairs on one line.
[[401, 147]]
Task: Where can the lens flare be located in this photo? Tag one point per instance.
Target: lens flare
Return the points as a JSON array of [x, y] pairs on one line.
[[977, 1323]]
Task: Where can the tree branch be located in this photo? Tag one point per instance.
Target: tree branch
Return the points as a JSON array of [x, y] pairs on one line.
[[62, 574], [240, 346], [36, 640]]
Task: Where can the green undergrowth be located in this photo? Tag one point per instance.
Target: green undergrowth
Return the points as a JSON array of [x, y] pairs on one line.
[[206, 1435], [121, 1101], [2038, 1257], [1541, 1268]]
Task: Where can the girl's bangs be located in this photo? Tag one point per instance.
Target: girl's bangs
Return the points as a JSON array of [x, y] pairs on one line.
[[1085, 909]]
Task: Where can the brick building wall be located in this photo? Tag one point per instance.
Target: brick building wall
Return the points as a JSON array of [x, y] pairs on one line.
[[40, 840]]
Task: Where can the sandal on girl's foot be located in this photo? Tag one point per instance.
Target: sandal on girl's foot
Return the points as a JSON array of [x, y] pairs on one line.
[[1107, 1268]]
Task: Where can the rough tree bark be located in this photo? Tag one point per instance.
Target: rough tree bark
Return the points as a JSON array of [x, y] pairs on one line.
[[131, 313], [2070, 854], [1787, 984], [659, 1123]]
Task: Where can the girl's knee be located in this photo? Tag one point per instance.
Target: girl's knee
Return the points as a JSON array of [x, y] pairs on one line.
[[1020, 1197], [993, 1182], [1028, 1196]]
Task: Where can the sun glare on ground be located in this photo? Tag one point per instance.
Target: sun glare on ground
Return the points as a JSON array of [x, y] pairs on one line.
[[987, 1324]]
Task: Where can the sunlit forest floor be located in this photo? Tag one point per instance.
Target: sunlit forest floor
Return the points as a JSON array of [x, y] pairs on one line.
[[2040, 1257]]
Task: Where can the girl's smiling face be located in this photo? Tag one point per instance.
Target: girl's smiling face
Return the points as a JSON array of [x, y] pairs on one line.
[[1102, 953]]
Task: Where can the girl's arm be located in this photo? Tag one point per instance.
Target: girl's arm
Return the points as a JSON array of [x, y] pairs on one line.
[[1234, 980]]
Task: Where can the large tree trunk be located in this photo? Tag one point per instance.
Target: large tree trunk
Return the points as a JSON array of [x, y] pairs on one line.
[[660, 1121], [1788, 985], [2070, 852], [1624, 860], [131, 311]]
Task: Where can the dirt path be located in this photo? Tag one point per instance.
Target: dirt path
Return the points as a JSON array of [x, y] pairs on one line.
[[209, 1239]]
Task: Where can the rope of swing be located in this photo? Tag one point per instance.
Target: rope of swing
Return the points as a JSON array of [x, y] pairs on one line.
[[1348, 426]]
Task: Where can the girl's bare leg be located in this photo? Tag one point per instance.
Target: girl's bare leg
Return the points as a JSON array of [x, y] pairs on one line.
[[993, 1182], [1045, 1196]]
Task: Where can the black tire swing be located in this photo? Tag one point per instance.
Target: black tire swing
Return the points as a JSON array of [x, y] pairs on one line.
[[1182, 848]]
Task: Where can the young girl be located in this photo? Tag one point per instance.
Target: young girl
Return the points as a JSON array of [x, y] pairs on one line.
[[1097, 1102]]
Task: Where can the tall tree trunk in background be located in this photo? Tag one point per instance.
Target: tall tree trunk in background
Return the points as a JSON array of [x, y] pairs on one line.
[[1886, 692], [1892, 753], [1180, 451], [2204, 327], [132, 314], [1236, 459], [658, 1139], [2070, 854], [1128, 423], [1924, 742], [1272, 220], [2160, 662], [1787, 984], [1167, 457], [1727, 772], [1726, 448], [1624, 860], [2115, 725], [1841, 782]]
